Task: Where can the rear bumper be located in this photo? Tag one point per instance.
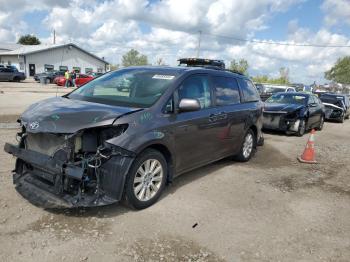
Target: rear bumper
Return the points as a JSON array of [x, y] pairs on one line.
[[43, 180]]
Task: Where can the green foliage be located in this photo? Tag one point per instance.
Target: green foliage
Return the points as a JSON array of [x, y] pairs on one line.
[[28, 40], [239, 66], [283, 79], [113, 67], [134, 58], [340, 72]]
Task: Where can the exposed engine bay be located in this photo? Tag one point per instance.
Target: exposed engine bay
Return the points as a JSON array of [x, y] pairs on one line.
[[80, 169]]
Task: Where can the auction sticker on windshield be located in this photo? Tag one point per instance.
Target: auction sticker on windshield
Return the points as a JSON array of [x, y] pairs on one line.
[[166, 77]]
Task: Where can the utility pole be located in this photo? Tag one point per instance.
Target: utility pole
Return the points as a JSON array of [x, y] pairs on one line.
[[199, 42], [54, 36]]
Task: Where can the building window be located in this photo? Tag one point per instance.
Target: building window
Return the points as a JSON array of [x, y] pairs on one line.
[[48, 67], [99, 70], [76, 69], [88, 70], [63, 68]]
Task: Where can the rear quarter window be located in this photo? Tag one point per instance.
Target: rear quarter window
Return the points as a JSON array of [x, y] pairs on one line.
[[249, 91]]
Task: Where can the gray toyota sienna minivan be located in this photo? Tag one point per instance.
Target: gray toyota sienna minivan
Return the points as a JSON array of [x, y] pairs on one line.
[[129, 132]]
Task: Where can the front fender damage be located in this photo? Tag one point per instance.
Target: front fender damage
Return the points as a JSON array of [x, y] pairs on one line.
[[94, 180]]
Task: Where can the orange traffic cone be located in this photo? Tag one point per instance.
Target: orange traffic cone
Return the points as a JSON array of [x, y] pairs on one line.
[[309, 153]]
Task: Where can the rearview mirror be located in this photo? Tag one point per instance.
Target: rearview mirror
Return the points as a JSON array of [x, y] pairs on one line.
[[188, 105]]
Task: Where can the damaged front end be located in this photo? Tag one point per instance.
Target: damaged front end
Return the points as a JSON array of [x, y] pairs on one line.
[[70, 170], [282, 120], [334, 112]]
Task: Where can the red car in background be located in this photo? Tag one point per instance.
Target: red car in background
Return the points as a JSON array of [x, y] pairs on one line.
[[79, 81], [59, 80], [82, 79]]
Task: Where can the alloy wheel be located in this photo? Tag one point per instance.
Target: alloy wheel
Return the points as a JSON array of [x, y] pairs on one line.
[[148, 179], [248, 145]]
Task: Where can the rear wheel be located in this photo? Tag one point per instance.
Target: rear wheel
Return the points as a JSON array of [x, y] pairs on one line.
[[248, 147], [146, 179]]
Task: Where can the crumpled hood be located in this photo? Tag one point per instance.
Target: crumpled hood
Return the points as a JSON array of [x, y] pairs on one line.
[[282, 107], [62, 115]]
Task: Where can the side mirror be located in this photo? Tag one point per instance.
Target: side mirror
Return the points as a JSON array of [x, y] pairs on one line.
[[188, 105]]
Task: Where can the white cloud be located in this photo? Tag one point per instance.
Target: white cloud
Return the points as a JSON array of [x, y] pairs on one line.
[[336, 12], [169, 29]]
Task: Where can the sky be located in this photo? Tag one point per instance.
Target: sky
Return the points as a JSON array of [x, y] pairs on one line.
[[169, 29]]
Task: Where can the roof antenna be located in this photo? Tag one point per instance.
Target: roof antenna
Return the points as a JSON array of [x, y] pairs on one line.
[[54, 36]]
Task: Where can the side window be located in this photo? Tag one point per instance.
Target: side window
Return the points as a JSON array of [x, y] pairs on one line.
[[311, 100], [249, 91], [226, 90], [196, 87]]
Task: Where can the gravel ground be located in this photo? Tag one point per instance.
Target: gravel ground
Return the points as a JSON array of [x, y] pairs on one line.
[[272, 208]]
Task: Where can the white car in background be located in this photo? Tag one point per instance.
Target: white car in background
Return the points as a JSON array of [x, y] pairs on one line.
[[270, 89]]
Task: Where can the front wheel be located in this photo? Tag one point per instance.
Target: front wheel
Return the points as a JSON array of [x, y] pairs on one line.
[[247, 150], [302, 128], [146, 179]]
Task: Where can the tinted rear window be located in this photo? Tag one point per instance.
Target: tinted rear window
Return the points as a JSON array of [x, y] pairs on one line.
[[250, 93], [226, 90]]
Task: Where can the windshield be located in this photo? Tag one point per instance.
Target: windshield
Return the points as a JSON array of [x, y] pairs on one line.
[[273, 89], [287, 99], [127, 87]]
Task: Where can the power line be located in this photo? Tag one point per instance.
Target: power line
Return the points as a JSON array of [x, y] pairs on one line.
[[274, 43]]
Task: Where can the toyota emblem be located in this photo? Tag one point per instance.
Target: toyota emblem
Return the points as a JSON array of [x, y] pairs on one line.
[[34, 125]]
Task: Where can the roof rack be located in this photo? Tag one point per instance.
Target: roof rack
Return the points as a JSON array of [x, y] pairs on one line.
[[201, 62], [206, 63]]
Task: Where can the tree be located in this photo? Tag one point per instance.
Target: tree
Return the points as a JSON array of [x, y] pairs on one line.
[[28, 40], [340, 72], [283, 79], [160, 61], [239, 66], [113, 67], [134, 58], [284, 75]]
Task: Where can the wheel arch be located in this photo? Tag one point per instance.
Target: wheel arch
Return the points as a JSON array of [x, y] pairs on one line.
[[164, 150]]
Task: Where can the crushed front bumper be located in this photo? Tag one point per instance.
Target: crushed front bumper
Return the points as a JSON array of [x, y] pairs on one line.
[[280, 122], [42, 180]]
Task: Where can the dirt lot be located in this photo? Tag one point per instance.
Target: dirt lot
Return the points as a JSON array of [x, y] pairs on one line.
[[270, 209]]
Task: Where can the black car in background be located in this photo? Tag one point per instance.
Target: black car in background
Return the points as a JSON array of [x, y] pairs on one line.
[[11, 74], [337, 106], [97, 144], [49, 75], [293, 113]]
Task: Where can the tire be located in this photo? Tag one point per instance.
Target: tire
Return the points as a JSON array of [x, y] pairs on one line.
[[320, 124], [302, 128], [248, 147], [142, 191]]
